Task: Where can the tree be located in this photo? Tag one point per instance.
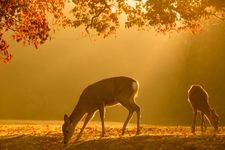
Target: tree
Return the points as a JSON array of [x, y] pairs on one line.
[[27, 19], [102, 16]]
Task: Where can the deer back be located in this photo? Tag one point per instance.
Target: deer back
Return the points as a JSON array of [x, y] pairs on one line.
[[198, 97], [108, 91]]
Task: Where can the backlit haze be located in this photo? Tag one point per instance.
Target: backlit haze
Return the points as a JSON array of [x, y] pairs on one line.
[[45, 84]]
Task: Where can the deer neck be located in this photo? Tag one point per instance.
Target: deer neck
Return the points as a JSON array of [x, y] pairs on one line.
[[206, 111], [76, 115]]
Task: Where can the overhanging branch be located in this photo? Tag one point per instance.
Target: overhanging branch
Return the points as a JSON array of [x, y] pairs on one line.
[[96, 16], [221, 18]]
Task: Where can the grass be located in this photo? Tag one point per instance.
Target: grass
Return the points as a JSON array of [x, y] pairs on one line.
[[47, 135]]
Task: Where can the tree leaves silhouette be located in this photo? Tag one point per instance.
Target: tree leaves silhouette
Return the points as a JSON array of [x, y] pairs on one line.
[[28, 20]]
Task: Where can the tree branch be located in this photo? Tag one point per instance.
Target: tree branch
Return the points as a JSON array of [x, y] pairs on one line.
[[4, 14], [96, 16], [14, 19], [221, 18]]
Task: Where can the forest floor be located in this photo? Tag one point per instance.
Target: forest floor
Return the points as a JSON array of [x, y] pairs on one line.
[[45, 135]]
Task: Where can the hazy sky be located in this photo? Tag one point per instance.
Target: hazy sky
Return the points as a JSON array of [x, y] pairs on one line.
[[46, 83]]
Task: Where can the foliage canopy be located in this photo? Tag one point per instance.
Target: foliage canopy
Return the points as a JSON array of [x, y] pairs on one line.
[[28, 20]]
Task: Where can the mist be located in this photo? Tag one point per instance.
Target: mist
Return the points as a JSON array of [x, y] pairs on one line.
[[45, 84]]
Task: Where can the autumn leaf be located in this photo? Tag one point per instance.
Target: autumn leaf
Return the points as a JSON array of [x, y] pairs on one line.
[[28, 21]]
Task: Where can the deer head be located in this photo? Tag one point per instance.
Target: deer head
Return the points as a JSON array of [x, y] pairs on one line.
[[67, 129], [214, 118]]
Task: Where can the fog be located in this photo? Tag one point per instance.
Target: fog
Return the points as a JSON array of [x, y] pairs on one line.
[[45, 84]]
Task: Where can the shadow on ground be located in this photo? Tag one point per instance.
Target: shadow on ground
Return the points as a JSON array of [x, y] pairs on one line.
[[146, 142], [142, 142]]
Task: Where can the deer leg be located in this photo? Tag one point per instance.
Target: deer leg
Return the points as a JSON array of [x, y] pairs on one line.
[[127, 120], [203, 124], [137, 109], [102, 116], [194, 121], [89, 116], [131, 111]]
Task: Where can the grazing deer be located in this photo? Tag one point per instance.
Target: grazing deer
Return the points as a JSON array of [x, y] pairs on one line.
[[107, 92], [199, 101]]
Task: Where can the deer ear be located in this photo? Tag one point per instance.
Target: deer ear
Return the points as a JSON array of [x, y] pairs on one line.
[[66, 118]]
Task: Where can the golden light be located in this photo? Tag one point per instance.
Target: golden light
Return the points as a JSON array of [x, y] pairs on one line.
[[165, 66], [131, 2], [134, 2], [113, 9]]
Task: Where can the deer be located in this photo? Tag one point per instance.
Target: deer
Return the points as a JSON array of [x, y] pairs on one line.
[[95, 97], [199, 100]]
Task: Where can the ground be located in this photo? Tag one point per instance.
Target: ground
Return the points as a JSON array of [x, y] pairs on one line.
[[32, 135]]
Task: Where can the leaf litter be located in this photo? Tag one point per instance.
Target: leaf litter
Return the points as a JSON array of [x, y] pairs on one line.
[[42, 135]]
